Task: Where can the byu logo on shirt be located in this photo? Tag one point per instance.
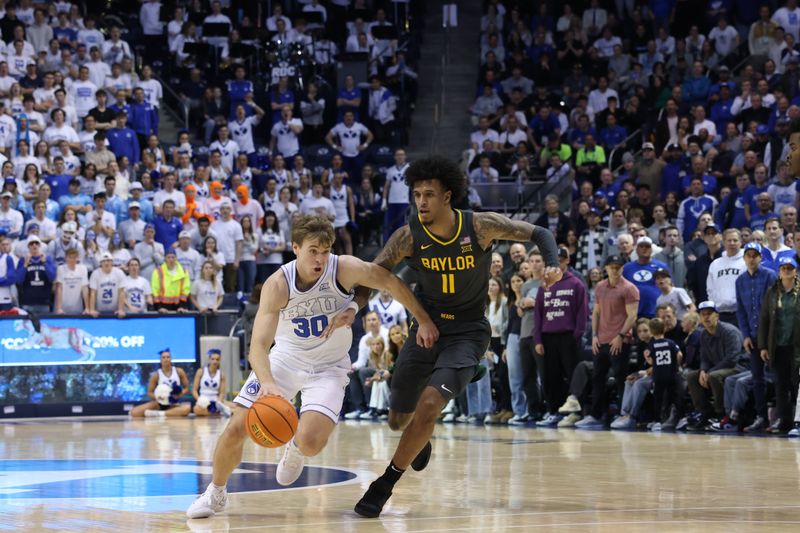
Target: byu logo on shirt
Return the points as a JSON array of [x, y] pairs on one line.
[[642, 276]]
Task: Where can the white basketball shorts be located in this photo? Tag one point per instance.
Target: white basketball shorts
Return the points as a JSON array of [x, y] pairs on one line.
[[322, 388]]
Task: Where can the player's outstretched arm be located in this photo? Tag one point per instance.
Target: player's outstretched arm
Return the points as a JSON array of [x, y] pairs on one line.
[[397, 248], [491, 226], [354, 271], [274, 296]]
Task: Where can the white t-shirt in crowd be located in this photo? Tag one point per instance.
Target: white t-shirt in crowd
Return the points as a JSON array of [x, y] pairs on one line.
[[398, 190], [136, 292], [242, 133], [153, 92], [391, 314], [206, 292], [83, 96], [349, 138], [176, 196], [228, 233], [107, 287], [269, 239], [287, 142], [228, 151], [72, 283], [317, 206]]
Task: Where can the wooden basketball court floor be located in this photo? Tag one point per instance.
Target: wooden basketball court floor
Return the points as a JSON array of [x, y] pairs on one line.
[[120, 475]]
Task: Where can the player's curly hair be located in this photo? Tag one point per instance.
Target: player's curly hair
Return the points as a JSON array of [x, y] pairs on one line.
[[439, 168]]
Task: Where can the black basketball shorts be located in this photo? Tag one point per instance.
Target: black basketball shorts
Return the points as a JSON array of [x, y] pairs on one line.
[[448, 366]]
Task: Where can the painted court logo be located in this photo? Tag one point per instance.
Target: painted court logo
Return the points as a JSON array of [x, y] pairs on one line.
[[126, 484]]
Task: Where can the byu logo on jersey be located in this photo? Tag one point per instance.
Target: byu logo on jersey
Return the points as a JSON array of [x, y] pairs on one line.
[[642, 276]]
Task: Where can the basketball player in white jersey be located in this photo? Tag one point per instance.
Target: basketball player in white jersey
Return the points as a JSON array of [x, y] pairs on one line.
[[395, 195], [209, 388], [302, 308], [345, 208], [174, 378]]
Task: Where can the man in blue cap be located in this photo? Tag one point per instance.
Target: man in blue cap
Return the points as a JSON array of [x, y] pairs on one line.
[[751, 286], [720, 352], [642, 274]]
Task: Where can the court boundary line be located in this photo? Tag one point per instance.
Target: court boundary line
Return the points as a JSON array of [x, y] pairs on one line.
[[390, 516]]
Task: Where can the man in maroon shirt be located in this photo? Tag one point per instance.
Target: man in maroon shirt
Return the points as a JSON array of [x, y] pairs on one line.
[[613, 317]]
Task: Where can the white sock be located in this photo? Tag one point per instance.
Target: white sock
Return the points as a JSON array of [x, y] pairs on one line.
[[294, 447], [218, 488]]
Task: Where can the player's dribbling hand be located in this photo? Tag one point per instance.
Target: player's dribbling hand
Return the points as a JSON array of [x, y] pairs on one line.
[[551, 275], [427, 334], [343, 319], [269, 389]]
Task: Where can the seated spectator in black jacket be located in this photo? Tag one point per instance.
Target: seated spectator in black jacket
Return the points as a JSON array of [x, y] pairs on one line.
[[554, 220]]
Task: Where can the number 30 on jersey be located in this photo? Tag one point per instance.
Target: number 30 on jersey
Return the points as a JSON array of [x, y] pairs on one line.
[[310, 327]]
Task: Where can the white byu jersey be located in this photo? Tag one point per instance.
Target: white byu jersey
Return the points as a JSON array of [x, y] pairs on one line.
[[306, 316]]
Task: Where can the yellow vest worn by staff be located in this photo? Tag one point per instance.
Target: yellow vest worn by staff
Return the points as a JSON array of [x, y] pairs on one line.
[[170, 288]]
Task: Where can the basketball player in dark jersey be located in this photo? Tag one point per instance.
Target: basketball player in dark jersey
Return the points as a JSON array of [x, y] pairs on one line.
[[450, 251]]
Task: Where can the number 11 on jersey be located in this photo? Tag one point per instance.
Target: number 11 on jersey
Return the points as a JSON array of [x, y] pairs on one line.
[[448, 284]]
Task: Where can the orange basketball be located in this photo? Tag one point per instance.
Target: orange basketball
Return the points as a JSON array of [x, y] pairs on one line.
[[271, 421]]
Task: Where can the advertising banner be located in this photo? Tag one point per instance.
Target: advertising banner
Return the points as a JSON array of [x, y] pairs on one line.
[[71, 341]]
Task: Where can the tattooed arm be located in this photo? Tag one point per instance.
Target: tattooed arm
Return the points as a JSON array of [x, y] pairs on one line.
[[492, 226], [397, 248]]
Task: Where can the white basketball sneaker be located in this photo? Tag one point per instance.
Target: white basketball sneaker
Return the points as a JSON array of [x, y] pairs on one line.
[[291, 465], [155, 413], [209, 503]]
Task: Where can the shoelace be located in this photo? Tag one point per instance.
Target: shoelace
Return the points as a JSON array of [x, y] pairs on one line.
[[217, 498], [293, 459]]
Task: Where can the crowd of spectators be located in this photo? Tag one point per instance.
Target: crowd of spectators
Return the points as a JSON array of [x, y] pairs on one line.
[[99, 213], [660, 130]]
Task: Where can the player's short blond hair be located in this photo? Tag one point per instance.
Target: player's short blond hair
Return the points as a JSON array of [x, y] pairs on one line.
[[313, 227]]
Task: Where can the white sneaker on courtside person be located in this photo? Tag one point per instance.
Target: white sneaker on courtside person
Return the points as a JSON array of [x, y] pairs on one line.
[[155, 413], [291, 465], [572, 405], [212, 501]]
